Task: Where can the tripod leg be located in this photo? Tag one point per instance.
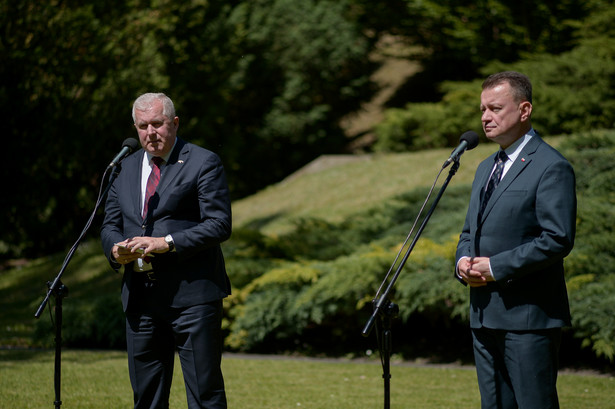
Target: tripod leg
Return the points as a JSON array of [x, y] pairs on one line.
[[60, 292]]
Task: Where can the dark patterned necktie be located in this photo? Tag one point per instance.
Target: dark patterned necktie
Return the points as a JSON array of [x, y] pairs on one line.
[[494, 180], [152, 183]]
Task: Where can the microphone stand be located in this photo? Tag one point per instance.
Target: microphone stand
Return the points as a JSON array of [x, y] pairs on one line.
[[60, 291], [384, 310]]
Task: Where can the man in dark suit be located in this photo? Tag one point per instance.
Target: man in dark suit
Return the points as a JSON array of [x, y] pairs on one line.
[[165, 217], [519, 227]]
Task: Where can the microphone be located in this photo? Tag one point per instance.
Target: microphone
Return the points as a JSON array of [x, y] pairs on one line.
[[128, 147], [467, 141]]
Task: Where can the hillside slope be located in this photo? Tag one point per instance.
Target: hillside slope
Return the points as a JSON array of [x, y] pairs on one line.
[[333, 187]]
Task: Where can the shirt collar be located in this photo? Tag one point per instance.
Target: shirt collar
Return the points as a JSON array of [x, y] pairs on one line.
[[515, 149]]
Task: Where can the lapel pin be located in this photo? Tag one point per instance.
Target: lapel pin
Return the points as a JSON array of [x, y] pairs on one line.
[[522, 159], [181, 161]]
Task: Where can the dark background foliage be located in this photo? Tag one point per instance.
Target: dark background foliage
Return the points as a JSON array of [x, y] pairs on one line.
[[263, 83]]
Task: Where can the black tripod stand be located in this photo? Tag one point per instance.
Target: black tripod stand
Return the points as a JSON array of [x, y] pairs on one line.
[[60, 291], [383, 309]]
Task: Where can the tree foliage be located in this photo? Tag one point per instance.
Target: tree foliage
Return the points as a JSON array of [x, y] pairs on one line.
[[262, 83], [573, 80], [572, 91]]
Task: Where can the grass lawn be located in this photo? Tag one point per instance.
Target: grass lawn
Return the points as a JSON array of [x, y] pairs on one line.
[[99, 380]]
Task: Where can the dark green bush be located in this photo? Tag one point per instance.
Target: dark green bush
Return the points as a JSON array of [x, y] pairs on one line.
[[329, 272], [333, 271], [249, 254], [592, 303], [95, 323], [572, 91], [590, 271], [431, 125], [312, 289]]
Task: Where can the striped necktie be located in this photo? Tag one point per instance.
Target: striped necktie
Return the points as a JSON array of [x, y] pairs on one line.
[[494, 180]]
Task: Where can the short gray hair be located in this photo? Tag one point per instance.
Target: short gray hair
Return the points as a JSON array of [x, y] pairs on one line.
[[145, 102]]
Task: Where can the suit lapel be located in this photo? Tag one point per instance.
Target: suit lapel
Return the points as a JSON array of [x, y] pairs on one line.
[[485, 176], [522, 161], [176, 162], [134, 169]]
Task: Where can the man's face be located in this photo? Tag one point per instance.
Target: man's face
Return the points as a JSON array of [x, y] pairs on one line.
[[157, 133], [504, 119]]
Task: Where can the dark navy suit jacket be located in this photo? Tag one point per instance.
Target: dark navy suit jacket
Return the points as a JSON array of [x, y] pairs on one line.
[[527, 229], [192, 204]]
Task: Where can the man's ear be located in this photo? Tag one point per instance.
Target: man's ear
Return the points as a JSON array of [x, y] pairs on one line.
[[525, 108]]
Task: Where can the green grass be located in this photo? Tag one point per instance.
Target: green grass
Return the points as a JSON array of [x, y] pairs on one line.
[[333, 190], [99, 380], [333, 193]]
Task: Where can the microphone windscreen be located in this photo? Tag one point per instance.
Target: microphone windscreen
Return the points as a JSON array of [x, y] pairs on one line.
[[131, 143], [471, 138]]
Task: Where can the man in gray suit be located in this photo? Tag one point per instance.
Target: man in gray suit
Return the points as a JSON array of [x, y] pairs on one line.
[[519, 227], [165, 217]]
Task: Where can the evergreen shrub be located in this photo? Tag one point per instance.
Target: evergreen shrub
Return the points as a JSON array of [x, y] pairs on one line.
[[95, 323], [326, 275]]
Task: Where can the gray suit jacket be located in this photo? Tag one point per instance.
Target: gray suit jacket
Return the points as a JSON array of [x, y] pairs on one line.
[[527, 229], [192, 204]]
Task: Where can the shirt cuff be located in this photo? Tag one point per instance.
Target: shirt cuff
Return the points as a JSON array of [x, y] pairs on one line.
[[491, 271]]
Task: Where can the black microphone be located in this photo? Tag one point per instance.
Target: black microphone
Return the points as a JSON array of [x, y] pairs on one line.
[[128, 147], [467, 141]]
